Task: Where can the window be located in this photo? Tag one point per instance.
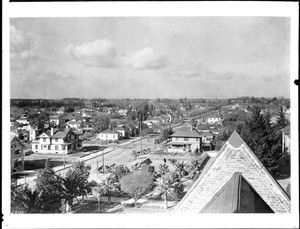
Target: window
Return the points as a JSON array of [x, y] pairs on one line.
[[176, 139], [44, 139], [63, 147], [186, 139], [56, 139], [17, 152], [36, 146], [196, 139], [56, 147], [45, 146]]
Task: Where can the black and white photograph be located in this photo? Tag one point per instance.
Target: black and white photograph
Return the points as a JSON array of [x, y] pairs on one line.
[[151, 114]]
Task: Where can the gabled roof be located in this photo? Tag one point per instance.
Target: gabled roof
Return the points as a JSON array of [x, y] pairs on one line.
[[186, 132], [121, 128], [13, 136], [286, 130], [54, 117], [237, 196], [60, 134], [234, 156], [22, 119], [74, 122], [48, 133], [109, 131]]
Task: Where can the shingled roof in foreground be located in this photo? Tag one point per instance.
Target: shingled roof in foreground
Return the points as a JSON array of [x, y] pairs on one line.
[[234, 156], [237, 196]]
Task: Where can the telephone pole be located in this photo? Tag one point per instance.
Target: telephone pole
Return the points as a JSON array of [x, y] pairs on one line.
[[141, 132]]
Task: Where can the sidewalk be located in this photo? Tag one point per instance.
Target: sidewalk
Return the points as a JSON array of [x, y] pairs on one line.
[[30, 179]]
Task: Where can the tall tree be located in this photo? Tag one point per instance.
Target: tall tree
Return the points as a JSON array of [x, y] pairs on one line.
[[101, 123], [263, 139], [168, 187], [136, 184], [281, 120]]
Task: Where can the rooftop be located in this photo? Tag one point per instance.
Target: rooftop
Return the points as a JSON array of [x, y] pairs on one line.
[[286, 130], [186, 132], [237, 196]]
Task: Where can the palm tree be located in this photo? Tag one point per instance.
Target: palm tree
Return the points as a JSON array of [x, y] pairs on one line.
[[98, 191], [163, 169], [180, 169], [34, 201], [71, 186], [166, 185], [108, 186]]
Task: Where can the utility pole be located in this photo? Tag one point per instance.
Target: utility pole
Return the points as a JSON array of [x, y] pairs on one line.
[[103, 158], [141, 133], [64, 159], [113, 138]]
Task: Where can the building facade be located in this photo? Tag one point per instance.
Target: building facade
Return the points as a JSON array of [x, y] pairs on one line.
[[109, 135], [16, 151], [55, 142]]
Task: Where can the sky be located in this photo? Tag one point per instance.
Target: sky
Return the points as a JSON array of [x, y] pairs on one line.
[[161, 57]]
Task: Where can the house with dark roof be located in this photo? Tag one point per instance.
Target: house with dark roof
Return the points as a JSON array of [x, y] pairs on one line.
[[16, 151], [125, 131], [219, 189], [185, 139], [55, 142]]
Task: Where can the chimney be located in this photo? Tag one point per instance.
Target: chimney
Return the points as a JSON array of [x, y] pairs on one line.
[[51, 132]]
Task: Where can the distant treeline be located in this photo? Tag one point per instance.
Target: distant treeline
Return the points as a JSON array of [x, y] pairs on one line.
[[82, 102], [46, 103]]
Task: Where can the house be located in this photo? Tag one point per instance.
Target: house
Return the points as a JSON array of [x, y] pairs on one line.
[[22, 120], [109, 135], [55, 142], [286, 139], [185, 139], [54, 119], [207, 136], [122, 112], [74, 124], [123, 130], [16, 151], [61, 111], [211, 191], [32, 133], [214, 119], [132, 129]]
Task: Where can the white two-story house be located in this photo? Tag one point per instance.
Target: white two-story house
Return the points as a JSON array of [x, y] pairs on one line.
[[55, 142], [185, 139]]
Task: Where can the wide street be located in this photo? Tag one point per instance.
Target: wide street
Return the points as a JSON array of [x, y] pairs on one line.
[[120, 155], [115, 154]]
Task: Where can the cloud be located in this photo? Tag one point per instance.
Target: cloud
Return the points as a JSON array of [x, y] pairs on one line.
[[145, 59], [20, 47], [199, 70], [17, 38], [99, 53]]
